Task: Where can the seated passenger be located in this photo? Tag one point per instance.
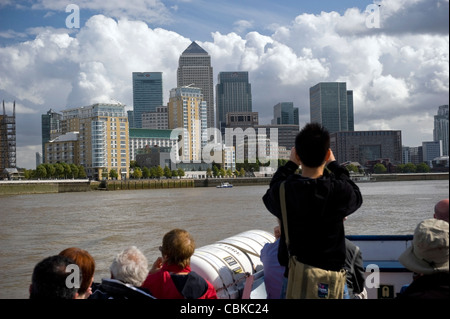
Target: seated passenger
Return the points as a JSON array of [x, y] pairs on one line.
[[49, 279], [171, 276], [128, 270], [427, 257], [86, 263]]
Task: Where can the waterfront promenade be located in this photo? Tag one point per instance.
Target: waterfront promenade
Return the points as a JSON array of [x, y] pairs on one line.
[[61, 186]]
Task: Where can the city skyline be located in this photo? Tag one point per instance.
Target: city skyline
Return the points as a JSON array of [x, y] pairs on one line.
[[398, 71]]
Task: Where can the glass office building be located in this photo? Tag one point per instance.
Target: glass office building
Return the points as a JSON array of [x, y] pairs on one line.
[[233, 94], [332, 106], [147, 94]]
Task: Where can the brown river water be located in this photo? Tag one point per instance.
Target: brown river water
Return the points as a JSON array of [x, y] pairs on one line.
[[105, 222]]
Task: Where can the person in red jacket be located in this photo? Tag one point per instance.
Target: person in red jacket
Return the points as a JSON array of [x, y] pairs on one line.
[[171, 276]]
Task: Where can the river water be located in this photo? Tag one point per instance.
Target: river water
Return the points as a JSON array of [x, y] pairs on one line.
[[105, 222]]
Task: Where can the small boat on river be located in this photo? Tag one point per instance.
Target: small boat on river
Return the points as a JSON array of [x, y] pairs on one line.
[[224, 185]]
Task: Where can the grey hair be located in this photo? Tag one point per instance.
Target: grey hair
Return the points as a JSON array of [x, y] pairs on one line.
[[130, 266]]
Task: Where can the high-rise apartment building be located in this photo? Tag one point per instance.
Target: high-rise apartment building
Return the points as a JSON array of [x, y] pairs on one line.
[[187, 111], [233, 94], [285, 113], [194, 69], [147, 94], [103, 138], [440, 132], [50, 128], [7, 139], [332, 106]]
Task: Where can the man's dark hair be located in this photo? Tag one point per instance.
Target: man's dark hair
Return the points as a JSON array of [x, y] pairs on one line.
[[312, 144], [49, 279]]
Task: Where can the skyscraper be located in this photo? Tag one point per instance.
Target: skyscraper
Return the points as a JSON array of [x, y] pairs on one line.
[[332, 106], [285, 113], [7, 139], [50, 128], [440, 132], [194, 68], [147, 94], [233, 94]]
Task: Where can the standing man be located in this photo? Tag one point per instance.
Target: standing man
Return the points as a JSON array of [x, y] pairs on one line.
[[317, 201]]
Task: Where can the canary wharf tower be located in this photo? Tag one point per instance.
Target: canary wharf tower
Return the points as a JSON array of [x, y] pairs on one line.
[[194, 69]]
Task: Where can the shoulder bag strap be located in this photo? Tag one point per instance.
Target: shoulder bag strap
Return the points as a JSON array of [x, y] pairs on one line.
[[284, 213]]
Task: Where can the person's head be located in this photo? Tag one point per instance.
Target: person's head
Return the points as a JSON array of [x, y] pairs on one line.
[[86, 262], [50, 279], [130, 266], [428, 253], [177, 247], [312, 145], [441, 210]]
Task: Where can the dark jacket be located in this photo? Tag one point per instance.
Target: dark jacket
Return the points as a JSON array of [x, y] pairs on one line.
[[316, 209], [435, 286], [355, 269]]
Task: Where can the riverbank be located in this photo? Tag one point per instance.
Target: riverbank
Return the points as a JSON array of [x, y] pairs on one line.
[[61, 186]]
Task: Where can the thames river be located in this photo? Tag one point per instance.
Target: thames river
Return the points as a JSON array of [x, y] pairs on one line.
[[105, 222]]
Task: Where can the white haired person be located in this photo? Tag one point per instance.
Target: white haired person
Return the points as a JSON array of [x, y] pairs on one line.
[[427, 257], [128, 271]]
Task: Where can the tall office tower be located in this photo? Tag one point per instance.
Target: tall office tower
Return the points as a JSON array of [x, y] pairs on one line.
[[103, 138], [233, 94], [187, 110], [147, 94], [440, 132], [285, 113], [7, 139], [50, 128], [332, 106], [194, 68]]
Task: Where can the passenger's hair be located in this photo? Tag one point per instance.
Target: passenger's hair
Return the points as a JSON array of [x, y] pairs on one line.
[[130, 266], [85, 262], [312, 144], [178, 246], [49, 279]]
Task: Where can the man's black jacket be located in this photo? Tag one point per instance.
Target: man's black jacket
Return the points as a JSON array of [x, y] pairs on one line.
[[316, 209]]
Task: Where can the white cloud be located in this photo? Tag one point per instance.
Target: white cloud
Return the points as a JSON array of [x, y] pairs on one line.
[[398, 78]]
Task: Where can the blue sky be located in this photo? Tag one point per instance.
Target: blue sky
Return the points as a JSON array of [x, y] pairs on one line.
[[398, 71], [194, 19]]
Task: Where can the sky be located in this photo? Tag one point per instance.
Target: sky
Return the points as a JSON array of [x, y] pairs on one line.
[[393, 54]]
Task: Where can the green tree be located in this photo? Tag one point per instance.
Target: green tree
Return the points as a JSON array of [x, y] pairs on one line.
[[379, 168], [242, 172], [215, 171], [167, 172], [51, 170], [222, 172], [137, 173], [409, 168], [229, 172], [174, 173], [159, 172], [113, 174], [81, 172], [74, 169], [41, 172], [59, 170], [209, 172], [180, 172], [400, 168], [352, 168], [423, 168], [146, 172]]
